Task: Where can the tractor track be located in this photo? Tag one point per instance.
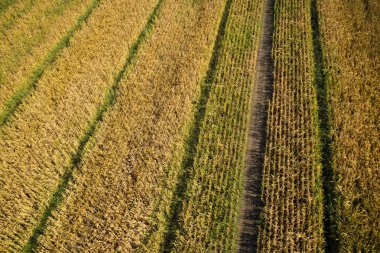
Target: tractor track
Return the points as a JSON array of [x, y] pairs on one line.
[[249, 220]]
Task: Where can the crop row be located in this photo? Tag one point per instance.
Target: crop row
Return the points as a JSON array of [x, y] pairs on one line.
[[128, 167], [208, 221], [38, 142], [24, 47], [291, 186], [350, 33]]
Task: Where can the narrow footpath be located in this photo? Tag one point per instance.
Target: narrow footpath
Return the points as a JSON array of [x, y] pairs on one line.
[[251, 200]]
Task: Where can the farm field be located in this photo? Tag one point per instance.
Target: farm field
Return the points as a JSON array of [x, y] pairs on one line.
[[189, 126]]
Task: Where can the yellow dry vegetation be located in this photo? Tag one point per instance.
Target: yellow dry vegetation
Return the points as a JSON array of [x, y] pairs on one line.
[[37, 144], [128, 169], [291, 186], [350, 34], [24, 47]]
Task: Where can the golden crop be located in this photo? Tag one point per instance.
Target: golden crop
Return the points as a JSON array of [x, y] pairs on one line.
[[11, 10], [37, 143], [128, 168], [127, 126], [292, 193], [350, 36], [25, 42]]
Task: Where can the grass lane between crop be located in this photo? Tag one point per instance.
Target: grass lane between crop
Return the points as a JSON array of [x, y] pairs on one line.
[[328, 178]]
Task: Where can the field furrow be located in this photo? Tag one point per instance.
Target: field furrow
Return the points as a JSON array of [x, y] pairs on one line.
[[118, 198], [38, 143], [25, 49], [208, 221], [291, 186], [350, 35]]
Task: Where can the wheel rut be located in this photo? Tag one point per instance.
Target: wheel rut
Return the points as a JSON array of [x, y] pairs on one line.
[[249, 218]]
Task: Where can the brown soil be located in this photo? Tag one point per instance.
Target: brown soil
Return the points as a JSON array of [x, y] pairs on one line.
[[251, 200]]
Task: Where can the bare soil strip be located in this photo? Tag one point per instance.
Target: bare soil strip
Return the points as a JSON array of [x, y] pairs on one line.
[[251, 200]]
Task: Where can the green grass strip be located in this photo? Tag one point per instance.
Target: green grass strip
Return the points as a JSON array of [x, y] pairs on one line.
[[191, 141], [13, 103], [109, 100], [325, 139]]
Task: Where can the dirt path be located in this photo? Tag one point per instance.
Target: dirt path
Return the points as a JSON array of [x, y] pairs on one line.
[[262, 93]]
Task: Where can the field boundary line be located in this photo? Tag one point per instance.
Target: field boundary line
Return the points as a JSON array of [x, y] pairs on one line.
[[325, 138], [12, 104], [192, 139], [251, 200], [108, 102]]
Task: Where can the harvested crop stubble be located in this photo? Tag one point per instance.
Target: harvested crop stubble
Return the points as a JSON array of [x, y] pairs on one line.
[[37, 144], [209, 219], [292, 192], [350, 34], [126, 171], [24, 47]]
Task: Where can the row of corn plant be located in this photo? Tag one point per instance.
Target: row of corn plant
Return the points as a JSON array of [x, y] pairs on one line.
[[292, 187]]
